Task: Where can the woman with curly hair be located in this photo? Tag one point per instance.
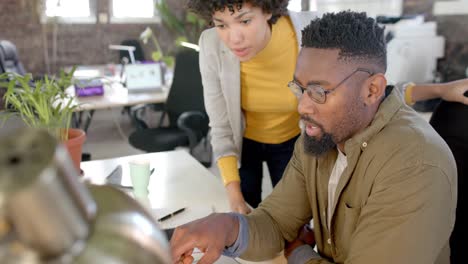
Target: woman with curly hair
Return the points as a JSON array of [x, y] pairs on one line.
[[246, 62]]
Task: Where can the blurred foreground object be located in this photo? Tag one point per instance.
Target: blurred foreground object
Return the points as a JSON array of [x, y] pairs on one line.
[[47, 215]]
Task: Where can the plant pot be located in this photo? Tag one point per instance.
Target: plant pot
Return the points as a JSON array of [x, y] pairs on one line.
[[74, 144]]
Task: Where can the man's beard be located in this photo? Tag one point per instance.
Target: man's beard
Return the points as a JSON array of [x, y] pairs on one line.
[[318, 147], [314, 145]]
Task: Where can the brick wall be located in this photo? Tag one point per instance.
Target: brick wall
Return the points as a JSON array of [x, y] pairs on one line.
[[455, 29], [76, 43], [88, 43]]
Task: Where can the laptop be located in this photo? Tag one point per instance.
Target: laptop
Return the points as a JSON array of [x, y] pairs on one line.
[[147, 77]]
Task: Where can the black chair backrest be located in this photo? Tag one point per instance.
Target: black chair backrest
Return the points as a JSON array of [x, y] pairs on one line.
[[9, 61], [138, 53], [186, 93]]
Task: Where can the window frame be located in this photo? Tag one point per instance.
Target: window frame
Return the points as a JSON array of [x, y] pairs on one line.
[[133, 20], [91, 19]]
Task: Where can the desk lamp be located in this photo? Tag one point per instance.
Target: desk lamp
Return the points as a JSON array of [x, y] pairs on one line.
[[130, 50], [124, 61], [48, 215]]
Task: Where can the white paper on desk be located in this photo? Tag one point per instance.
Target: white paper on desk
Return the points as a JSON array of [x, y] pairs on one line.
[[190, 213], [197, 255]]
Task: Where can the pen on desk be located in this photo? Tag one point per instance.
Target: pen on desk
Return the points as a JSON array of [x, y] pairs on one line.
[[171, 215]]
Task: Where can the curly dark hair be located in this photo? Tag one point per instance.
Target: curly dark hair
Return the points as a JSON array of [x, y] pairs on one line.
[[206, 8], [357, 36]]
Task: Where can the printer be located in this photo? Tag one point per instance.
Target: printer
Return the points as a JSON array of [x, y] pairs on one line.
[[413, 48]]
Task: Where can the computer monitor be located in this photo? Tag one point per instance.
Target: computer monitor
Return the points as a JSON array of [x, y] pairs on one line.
[[143, 77]]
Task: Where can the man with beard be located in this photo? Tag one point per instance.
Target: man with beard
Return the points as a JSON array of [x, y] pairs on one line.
[[376, 179]]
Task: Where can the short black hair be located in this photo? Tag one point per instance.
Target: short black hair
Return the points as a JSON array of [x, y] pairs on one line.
[[206, 8], [357, 36]]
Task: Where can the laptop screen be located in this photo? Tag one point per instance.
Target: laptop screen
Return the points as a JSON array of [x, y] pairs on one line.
[[143, 77]]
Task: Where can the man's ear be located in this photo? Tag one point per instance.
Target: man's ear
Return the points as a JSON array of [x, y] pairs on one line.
[[375, 88]]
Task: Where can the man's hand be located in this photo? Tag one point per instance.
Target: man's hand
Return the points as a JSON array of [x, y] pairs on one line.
[[454, 91], [210, 235], [236, 199], [304, 236]]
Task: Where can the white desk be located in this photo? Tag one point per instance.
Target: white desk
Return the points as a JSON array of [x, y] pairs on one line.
[[178, 181], [115, 95]]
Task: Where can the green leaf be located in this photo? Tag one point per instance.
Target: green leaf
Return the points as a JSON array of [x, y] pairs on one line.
[[180, 39], [169, 61], [169, 19], [156, 56], [43, 104], [191, 18]]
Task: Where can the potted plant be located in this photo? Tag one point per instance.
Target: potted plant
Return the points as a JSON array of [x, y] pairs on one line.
[[187, 30], [186, 25], [158, 54], [44, 104]]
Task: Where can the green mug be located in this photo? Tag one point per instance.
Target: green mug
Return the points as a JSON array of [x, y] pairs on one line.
[[140, 176]]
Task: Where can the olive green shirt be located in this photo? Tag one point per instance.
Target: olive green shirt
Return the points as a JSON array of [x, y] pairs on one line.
[[394, 203]]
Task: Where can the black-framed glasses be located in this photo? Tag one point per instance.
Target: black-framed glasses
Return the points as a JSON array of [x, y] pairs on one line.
[[317, 92]]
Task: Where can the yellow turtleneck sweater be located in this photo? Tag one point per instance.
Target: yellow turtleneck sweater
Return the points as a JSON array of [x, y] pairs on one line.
[[269, 107]]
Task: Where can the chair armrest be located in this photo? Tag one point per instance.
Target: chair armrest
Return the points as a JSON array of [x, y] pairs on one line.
[[135, 114], [195, 125]]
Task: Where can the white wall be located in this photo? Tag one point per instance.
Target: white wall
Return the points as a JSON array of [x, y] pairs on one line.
[[455, 7], [372, 7], [295, 5]]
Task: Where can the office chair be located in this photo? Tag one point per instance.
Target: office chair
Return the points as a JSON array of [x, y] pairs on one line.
[[188, 121], [9, 61], [450, 121]]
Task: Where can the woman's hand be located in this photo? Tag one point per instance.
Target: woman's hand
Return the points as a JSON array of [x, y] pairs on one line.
[[236, 199], [454, 91]]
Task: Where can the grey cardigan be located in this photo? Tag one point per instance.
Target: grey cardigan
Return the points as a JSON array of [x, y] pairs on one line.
[[220, 72]]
